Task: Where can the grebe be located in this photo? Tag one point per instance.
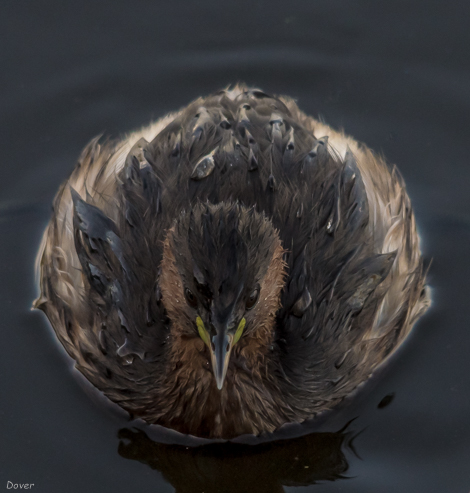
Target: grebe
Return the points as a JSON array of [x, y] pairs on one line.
[[231, 268]]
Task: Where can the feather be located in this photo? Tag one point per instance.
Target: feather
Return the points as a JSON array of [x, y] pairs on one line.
[[234, 198]]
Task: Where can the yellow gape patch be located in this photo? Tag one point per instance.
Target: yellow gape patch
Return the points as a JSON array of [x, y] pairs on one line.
[[202, 331], [205, 336], [239, 331]]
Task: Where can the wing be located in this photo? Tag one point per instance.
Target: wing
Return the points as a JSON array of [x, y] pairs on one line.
[[99, 276]]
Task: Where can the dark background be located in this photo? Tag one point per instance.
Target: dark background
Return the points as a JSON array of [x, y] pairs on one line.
[[394, 74]]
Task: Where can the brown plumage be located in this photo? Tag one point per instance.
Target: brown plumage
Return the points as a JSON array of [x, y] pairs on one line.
[[231, 268]]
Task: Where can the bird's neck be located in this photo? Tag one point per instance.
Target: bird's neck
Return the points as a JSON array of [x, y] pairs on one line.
[[249, 402]]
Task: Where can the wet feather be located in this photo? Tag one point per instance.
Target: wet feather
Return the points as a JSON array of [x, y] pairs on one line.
[[239, 189]]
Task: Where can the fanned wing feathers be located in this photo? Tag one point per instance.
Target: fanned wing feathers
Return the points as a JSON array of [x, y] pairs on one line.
[[355, 275], [99, 276]]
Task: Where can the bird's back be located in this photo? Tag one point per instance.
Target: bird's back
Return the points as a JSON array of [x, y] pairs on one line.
[[355, 280]]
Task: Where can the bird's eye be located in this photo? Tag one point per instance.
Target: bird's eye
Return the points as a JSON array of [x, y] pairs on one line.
[[252, 299], [190, 298]]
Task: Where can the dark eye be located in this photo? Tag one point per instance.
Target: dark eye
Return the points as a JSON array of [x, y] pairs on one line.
[[252, 299], [190, 298]]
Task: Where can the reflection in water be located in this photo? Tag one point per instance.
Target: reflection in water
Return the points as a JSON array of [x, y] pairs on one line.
[[235, 467]]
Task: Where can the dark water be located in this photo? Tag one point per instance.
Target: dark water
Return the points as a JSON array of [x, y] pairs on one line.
[[394, 74]]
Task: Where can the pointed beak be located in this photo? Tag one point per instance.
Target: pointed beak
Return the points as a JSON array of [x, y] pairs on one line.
[[221, 347]]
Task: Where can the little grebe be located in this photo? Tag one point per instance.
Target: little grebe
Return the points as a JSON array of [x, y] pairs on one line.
[[233, 267]]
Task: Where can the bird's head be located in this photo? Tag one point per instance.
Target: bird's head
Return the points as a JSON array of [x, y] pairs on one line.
[[221, 276]]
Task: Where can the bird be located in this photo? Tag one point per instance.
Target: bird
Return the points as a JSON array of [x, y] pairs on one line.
[[231, 268]]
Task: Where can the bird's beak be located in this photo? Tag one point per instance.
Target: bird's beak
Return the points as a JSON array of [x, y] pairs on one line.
[[221, 347]]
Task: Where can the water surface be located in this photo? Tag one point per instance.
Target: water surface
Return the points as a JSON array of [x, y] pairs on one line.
[[393, 74]]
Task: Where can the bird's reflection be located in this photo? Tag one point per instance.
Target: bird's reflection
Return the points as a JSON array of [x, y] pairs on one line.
[[235, 467]]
